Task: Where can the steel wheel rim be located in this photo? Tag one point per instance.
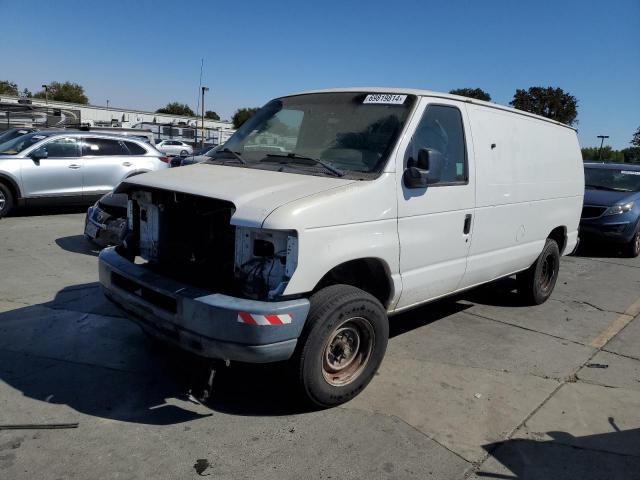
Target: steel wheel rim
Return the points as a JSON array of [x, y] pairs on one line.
[[548, 273], [3, 201], [636, 245], [347, 351]]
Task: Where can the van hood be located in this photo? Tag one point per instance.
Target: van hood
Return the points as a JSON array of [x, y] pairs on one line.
[[254, 192]]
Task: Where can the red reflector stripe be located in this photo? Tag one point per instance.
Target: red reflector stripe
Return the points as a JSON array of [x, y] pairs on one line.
[[247, 318], [273, 319]]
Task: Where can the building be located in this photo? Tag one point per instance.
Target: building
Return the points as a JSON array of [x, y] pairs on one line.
[[36, 112]]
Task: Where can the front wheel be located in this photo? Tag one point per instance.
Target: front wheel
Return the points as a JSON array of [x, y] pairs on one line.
[[536, 283], [342, 346], [6, 200], [632, 249]]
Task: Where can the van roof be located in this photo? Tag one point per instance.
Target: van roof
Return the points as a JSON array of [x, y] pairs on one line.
[[430, 93]]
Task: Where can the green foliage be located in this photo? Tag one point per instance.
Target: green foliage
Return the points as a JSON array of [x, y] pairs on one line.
[[631, 154], [477, 93], [64, 92], [8, 88], [549, 102], [635, 140], [242, 115], [211, 115], [176, 108], [26, 93], [592, 154]]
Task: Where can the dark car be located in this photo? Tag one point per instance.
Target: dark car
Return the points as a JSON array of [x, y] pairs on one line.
[[12, 133], [198, 156], [611, 210], [106, 221]]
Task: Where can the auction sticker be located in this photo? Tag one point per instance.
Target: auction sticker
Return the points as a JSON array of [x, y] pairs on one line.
[[630, 172], [385, 98]]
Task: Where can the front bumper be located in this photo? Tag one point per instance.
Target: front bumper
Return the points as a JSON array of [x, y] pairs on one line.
[[610, 229], [205, 323]]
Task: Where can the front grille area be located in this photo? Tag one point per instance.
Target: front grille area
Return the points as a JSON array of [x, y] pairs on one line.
[[589, 211], [164, 302]]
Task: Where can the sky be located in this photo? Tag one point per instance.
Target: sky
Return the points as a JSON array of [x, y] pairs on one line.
[[143, 54]]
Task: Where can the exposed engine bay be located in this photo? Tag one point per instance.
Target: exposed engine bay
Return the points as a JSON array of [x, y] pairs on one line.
[[190, 239]]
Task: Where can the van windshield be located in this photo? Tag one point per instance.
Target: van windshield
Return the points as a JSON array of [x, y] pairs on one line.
[[615, 179], [321, 133], [18, 144]]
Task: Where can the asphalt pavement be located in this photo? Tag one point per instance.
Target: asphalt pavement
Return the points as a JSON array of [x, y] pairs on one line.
[[477, 386]]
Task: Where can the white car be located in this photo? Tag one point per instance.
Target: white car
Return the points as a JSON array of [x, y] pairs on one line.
[[388, 200], [174, 147]]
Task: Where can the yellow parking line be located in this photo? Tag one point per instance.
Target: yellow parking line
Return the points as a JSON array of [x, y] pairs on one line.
[[617, 325]]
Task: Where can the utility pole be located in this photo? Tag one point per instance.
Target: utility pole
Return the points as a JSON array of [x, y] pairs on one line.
[[204, 89], [46, 101], [601, 137]]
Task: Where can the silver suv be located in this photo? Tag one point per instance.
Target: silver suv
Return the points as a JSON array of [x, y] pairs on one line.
[[62, 167]]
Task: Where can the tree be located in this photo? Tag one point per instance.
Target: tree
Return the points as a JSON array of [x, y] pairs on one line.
[[8, 88], [242, 115], [635, 140], [553, 103], [176, 108], [64, 92], [211, 115], [608, 154], [631, 154], [477, 93], [26, 93]]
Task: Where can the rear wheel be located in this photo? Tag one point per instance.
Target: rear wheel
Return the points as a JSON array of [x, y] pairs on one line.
[[536, 283], [342, 346], [632, 249], [6, 200], [184, 153]]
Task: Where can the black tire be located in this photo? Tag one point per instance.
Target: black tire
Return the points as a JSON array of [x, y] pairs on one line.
[[632, 249], [184, 153], [6, 200], [536, 284], [347, 321]]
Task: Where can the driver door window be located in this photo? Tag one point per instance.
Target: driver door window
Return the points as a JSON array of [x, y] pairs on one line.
[[61, 148], [441, 129]]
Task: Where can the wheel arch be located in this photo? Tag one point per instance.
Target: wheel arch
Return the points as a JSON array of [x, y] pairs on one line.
[[370, 274], [559, 235], [12, 184]]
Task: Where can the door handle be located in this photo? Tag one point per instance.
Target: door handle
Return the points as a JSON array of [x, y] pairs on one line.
[[74, 166], [467, 224], [126, 164]]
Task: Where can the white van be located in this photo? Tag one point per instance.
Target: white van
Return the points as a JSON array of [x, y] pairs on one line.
[[374, 201]]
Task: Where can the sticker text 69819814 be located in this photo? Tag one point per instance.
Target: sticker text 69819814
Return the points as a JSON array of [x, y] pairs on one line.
[[386, 98]]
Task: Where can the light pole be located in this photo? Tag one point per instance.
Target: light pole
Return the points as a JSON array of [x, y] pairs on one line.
[[601, 137], [46, 94], [204, 89]]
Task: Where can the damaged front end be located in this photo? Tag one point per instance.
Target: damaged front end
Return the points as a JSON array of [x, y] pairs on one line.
[[191, 239], [187, 275]]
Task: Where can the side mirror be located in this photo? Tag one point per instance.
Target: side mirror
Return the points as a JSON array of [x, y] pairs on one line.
[[39, 154], [425, 171]]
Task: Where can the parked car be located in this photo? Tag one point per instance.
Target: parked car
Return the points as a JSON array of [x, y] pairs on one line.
[[174, 147], [56, 167], [106, 220], [611, 211], [140, 134], [197, 157], [385, 200], [12, 133]]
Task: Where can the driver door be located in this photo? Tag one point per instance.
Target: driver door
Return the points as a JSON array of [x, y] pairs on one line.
[[435, 223], [58, 174]]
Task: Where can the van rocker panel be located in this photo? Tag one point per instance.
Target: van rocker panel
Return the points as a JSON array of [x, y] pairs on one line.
[[208, 324]]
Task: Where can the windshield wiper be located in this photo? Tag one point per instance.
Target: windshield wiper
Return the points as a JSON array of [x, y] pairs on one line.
[[294, 156], [236, 155], [602, 187]]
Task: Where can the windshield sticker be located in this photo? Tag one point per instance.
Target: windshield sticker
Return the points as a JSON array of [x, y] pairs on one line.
[[630, 172], [385, 98]]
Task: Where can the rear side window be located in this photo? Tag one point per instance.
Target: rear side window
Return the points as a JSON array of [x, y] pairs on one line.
[[135, 149], [103, 147], [441, 130]]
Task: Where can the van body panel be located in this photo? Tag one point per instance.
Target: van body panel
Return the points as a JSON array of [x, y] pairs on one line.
[[335, 226]]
